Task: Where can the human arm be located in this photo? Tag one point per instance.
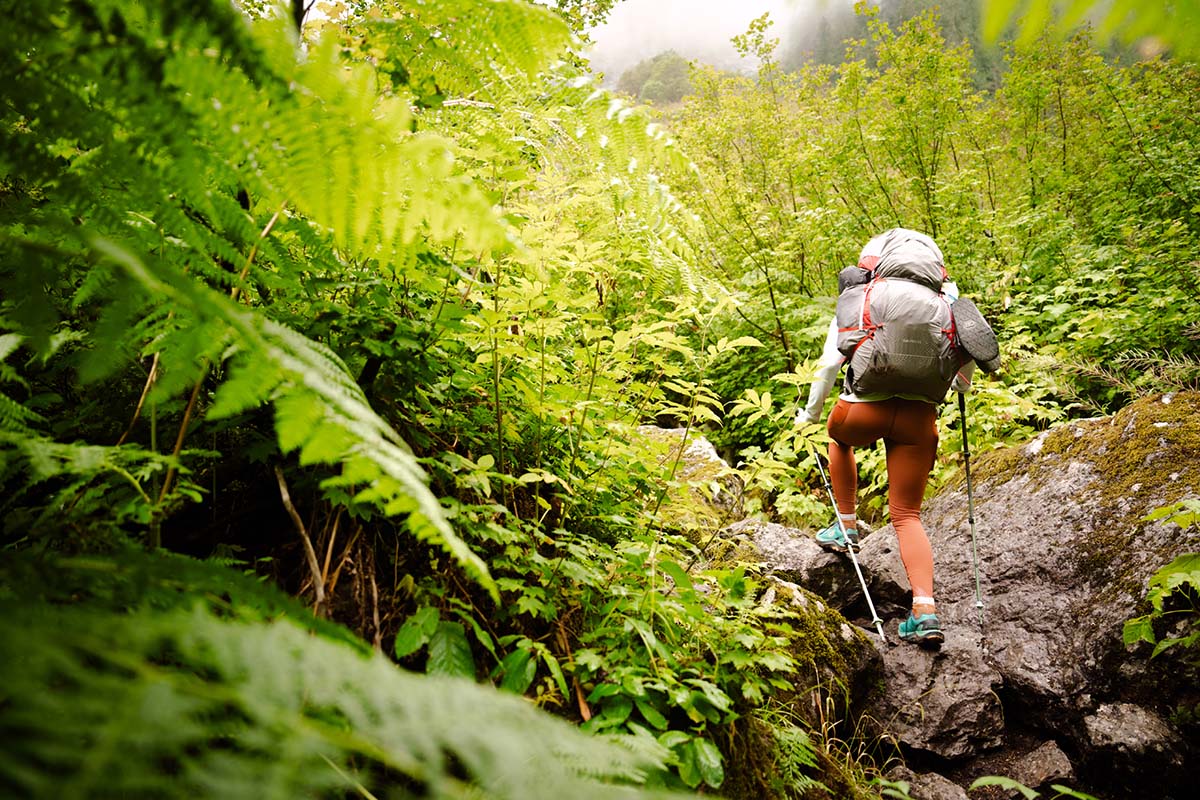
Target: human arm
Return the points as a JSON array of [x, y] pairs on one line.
[[827, 370]]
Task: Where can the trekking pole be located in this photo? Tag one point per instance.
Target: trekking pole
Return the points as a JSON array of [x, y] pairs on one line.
[[962, 414], [875, 620]]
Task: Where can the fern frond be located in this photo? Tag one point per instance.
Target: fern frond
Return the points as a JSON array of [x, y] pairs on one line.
[[14, 417], [466, 48], [58, 489], [320, 410], [183, 703]]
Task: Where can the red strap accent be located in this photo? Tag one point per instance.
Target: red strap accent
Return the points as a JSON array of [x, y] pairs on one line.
[[867, 325]]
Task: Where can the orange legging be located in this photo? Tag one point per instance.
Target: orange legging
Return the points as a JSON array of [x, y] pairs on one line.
[[909, 432]]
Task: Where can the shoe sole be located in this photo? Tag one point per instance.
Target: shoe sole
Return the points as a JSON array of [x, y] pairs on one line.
[[834, 546], [928, 639]]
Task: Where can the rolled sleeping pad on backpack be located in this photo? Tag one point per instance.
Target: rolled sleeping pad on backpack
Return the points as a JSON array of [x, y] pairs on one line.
[[975, 335], [852, 276]]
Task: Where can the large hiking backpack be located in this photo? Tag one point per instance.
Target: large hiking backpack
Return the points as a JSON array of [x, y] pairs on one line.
[[897, 331]]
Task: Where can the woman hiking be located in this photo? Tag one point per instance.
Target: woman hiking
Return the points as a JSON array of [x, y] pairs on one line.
[[903, 412]]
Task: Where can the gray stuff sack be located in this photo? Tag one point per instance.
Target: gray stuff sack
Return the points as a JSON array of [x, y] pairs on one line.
[[898, 337]]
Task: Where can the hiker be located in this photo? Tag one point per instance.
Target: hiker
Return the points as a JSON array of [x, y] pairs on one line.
[[903, 414]]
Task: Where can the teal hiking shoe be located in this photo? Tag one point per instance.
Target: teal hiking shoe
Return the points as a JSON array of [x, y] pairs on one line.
[[831, 538], [924, 630]]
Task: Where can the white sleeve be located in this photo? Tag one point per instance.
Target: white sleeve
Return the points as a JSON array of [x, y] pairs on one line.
[[962, 378], [827, 370]]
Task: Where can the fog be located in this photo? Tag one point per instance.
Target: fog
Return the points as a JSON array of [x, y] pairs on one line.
[[696, 29]]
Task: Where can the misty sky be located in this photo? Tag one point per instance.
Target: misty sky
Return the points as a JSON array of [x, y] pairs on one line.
[[701, 29]]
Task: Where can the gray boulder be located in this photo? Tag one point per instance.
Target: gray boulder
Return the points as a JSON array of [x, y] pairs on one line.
[[927, 785], [1046, 764], [1064, 556]]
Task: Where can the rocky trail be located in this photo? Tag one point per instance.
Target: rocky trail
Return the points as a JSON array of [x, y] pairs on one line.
[[1042, 689]]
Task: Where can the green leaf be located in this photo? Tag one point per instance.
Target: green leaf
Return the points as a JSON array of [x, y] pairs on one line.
[[416, 632], [1004, 783], [1168, 643], [677, 573], [618, 709], [673, 739], [1138, 629], [519, 669], [651, 714], [450, 652], [689, 771], [555, 671], [709, 762], [1064, 791], [895, 789]]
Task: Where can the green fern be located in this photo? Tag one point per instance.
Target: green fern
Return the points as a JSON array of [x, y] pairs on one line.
[[14, 417], [234, 106], [462, 48], [320, 410], [98, 491], [170, 700]]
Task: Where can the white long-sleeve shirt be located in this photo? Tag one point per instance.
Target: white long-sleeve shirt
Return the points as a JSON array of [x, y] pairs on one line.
[[831, 362]]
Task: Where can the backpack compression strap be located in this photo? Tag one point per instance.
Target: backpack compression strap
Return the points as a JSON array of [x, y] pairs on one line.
[[864, 319]]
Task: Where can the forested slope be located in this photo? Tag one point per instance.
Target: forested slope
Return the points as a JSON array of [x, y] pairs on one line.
[[371, 310]]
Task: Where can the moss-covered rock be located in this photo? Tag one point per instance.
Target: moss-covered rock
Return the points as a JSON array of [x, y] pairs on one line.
[[1065, 551], [700, 493], [838, 665]]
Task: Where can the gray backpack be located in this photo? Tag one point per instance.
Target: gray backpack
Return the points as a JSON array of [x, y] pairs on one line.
[[897, 331]]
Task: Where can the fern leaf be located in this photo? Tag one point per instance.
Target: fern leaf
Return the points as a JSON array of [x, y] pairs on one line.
[[321, 410], [175, 701]]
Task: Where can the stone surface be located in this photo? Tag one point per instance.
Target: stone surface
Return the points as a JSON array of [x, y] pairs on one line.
[[1131, 744], [943, 702], [1044, 765], [1064, 556], [707, 492], [794, 556], [928, 785]]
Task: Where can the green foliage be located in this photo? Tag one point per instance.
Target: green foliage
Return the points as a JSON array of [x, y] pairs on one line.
[[181, 698], [660, 79], [442, 273], [14, 416], [583, 14], [95, 491], [417, 266], [143, 247], [1011, 785], [1064, 202], [1171, 23], [1173, 593], [677, 653]]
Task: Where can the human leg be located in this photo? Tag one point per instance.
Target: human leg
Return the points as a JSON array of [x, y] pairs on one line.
[[911, 449], [851, 425]]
